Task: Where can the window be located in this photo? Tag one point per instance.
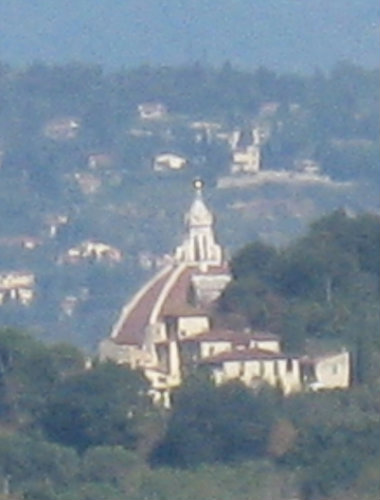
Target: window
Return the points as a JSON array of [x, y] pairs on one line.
[[275, 368], [289, 365], [335, 369]]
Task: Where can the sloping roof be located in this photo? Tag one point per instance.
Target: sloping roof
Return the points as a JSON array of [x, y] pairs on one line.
[[164, 295], [238, 337], [132, 329], [246, 355]]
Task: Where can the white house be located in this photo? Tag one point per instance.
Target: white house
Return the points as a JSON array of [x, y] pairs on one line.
[[168, 161], [17, 286], [92, 250], [152, 111]]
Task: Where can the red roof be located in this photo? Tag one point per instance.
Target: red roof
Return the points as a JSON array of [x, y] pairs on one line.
[[219, 335], [133, 328], [174, 304], [177, 297]]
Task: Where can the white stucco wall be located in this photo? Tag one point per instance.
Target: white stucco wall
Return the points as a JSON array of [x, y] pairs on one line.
[[282, 372], [333, 371], [265, 345], [192, 325]]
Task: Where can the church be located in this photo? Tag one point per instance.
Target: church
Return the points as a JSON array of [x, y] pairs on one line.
[[166, 328]]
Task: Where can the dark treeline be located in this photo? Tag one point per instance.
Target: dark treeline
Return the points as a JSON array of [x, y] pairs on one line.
[[67, 431], [324, 287], [332, 117]]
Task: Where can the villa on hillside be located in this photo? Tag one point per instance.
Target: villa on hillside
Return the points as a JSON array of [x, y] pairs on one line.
[[165, 330]]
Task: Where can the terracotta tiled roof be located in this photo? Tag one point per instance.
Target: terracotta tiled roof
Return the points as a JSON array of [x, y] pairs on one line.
[[175, 303], [219, 335], [133, 328], [177, 297], [246, 355]]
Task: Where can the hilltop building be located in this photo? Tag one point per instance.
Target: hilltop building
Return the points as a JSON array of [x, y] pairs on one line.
[[168, 161], [166, 328], [17, 286], [152, 111], [91, 250], [246, 153]]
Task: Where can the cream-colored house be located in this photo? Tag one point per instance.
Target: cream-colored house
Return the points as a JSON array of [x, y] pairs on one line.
[[93, 250], [330, 371], [17, 286], [62, 128], [255, 366], [246, 153], [169, 161], [152, 111], [246, 160]]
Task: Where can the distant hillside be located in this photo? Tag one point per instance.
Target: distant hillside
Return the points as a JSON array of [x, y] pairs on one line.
[[86, 199], [282, 34]]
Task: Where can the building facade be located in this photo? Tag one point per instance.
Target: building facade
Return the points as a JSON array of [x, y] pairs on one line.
[[166, 329]]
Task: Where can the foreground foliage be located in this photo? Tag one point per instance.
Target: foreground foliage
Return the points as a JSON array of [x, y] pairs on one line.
[[70, 432]]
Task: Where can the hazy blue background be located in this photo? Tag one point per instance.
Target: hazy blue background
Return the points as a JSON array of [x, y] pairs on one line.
[[287, 35]]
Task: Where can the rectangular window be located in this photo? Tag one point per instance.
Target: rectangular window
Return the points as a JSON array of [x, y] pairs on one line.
[[335, 369], [275, 368], [289, 365]]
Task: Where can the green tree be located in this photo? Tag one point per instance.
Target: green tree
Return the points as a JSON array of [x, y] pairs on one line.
[[31, 464], [27, 375], [108, 464], [102, 406], [215, 424]]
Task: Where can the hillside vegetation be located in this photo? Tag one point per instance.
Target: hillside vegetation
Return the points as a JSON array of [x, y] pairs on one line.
[[68, 431], [74, 148]]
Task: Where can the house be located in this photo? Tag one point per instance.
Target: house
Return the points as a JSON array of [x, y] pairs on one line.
[[165, 330], [88, 183], [92, 250], [97, 161], [246, 160], [205, 130], [246, 154], [268, 109], [329, 371], [168, 161], [152, 111], [254, 366], [54, 222], [62, 128], [24, 242], [17, 286]]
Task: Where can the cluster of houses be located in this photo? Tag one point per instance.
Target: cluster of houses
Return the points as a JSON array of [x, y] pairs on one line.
[[166, 329], [245, 145], [91, 250], [19, 286]]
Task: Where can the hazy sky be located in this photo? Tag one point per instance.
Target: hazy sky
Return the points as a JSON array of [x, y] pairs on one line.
[[281, 34]]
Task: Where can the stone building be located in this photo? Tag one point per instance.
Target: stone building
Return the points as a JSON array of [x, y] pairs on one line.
[[166, 328], [17, 286]]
